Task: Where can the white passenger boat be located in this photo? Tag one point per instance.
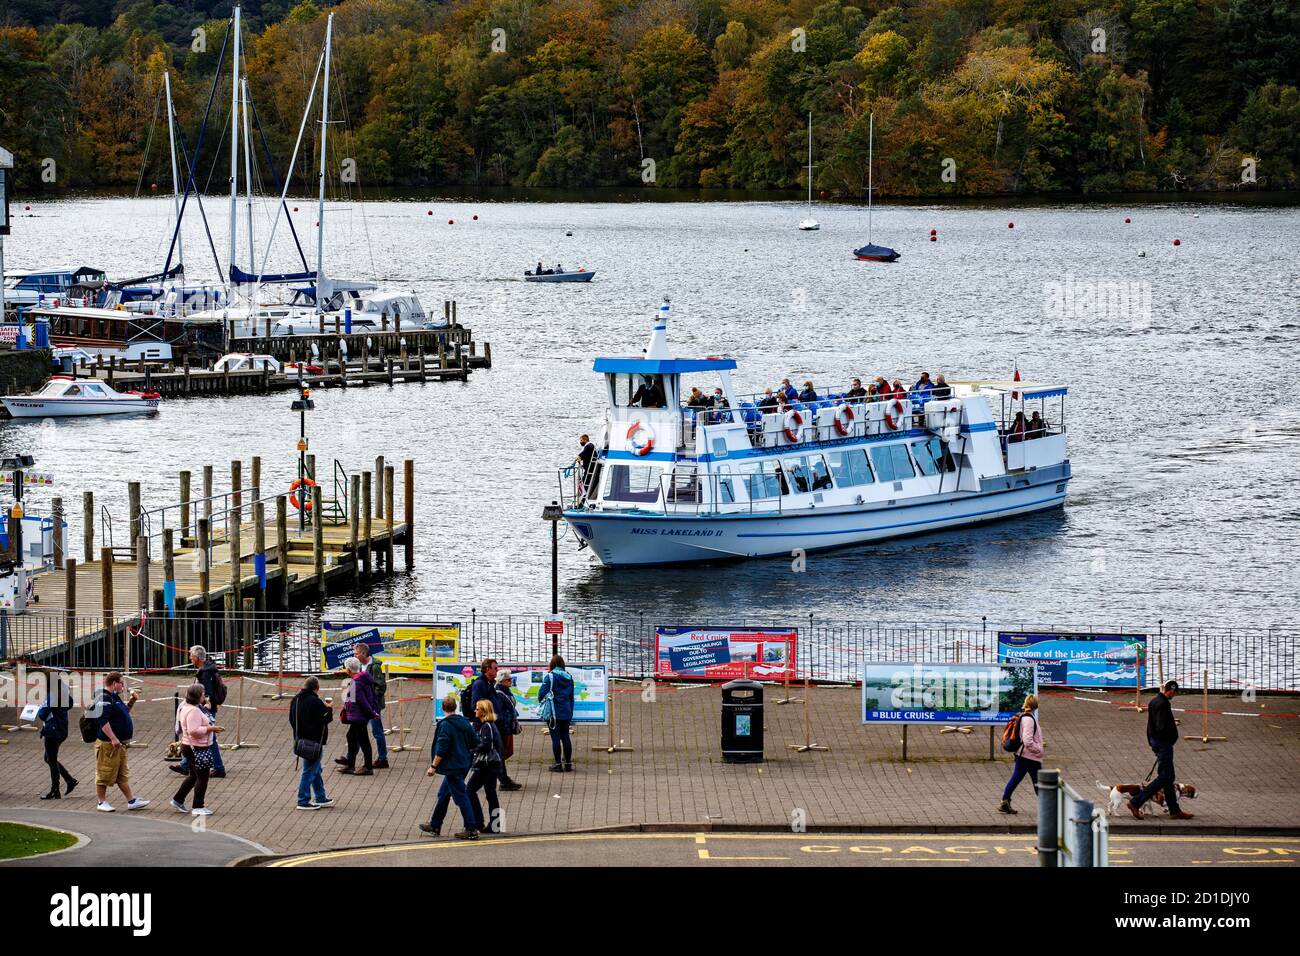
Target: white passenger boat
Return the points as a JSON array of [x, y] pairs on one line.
[[64, 397], [672, 484]]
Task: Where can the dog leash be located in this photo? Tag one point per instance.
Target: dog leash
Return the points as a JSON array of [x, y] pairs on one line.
[[1150, 772]]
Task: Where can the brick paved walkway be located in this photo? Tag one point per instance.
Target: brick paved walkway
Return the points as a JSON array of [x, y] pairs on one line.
[[676, 776]]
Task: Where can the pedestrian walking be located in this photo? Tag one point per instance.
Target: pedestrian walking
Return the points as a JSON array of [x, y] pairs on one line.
[[309, 716], [214, 689], [54, 731], [1029, 754], [485, 767], [507, 726], [454, 741], [376, 672], [484, 687], [198, 740], [556, 695], [1162, 734], [115, 728], [358, 712]]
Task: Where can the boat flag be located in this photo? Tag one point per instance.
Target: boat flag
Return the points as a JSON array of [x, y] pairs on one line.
[[1015, 378]]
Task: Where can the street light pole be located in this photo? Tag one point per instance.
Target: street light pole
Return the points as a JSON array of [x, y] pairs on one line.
[[553, 513], [302, 404]]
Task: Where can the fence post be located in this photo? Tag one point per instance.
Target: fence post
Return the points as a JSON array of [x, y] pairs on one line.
[[1048, 786], [1082, 823], [133, 504], [88, 526], [70, 609], [282, 546], [185, 506]]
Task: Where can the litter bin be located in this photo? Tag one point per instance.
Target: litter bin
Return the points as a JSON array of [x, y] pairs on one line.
[[742, 721]]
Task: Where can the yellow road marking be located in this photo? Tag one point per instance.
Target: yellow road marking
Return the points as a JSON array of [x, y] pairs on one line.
[[704, 855]]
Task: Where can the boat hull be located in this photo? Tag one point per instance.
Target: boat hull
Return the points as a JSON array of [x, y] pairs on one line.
[[893, 258], [562, 277], [75, 408], [639, 539]]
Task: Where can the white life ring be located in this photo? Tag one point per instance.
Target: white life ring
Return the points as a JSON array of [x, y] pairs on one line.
[[842, 420], [895, 421], [644, 448], [792, 418]]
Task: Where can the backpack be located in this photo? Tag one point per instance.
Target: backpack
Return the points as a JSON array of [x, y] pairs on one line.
[[89, 729], [218, 695], [467, 701], [1011, 741]]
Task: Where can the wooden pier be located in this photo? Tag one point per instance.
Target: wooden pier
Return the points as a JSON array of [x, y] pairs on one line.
[[212, 559]]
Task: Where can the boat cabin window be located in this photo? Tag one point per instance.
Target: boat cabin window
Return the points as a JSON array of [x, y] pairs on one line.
[[932, 457], [685, 485], [726, 488], [798, 474], [892, 463], [634, 483], [719, 446], [850, 467], [640, 391], [91, 389], [73, 390], [761, 479]]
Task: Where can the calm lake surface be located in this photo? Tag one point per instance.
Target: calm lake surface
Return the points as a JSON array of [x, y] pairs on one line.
[[1183, 419]]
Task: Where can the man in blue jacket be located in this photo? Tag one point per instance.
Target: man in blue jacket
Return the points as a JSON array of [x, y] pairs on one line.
[[454, 741], [115, 729]]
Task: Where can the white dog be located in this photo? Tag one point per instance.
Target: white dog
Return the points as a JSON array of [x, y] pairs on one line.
[[1117, 795]]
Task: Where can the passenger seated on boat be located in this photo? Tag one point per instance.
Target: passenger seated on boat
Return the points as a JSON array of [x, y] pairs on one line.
[[882, 389], [788, 390], [697, 399], [539, 269], [857, 391], [821, 477], [559, 269], [809, 394], [1037, 427], [942, 390], [768, 402], [780, 476], [1016, 433], [898, 390], [720, 406], [650, 393], [923, 389]]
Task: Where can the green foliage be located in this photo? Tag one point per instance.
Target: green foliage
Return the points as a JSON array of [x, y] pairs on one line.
[[1020, 95]]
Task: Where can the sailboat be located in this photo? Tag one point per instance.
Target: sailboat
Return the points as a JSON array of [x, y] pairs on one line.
[[871, 252], [809, 224]]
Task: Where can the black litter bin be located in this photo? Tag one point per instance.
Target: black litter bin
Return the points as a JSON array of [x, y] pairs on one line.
[[742, 721]]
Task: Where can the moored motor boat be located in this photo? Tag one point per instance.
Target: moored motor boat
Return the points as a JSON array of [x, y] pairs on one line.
[[578, 275], [64, 396]]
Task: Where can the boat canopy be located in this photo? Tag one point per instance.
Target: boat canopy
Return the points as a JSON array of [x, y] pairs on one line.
[[238, 275], [1027, 390], [642, 366]]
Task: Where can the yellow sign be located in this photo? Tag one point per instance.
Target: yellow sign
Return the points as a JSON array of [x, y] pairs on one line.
[[405, 648]]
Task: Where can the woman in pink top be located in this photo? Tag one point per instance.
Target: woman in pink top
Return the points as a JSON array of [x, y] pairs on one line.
[[196, 731], [1029, 758]]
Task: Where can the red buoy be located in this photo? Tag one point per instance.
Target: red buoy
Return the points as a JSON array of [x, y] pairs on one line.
[[153, 185], [295, 208], [451, 222], [429, 213], [934, 232], [1011, 225], [1127, 219], [1178, 242], [27, 208], [934, 238], [476, 217]]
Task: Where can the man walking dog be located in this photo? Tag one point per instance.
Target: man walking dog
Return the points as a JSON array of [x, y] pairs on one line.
[[1162, 734]]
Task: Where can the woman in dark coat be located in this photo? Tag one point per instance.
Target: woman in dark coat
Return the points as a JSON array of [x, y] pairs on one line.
[[54, 730], [360, 707], [486, 768]]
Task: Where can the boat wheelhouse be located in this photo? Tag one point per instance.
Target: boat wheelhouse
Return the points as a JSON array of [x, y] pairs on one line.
[[45, 286], [671, 483]]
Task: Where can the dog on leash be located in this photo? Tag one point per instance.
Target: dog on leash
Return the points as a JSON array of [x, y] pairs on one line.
[[1119, 794]]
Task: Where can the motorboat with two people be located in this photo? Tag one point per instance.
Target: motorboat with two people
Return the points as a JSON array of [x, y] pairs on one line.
[[673, 482], [558, 274], [64, 397]]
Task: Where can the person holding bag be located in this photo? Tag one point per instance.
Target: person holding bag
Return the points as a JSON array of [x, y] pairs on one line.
[[557, 694], [508, 726], [197, 729], [309, 716], [484, 769], [359, 709]]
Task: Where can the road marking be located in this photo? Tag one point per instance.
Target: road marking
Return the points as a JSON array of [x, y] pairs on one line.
[[704, 855]]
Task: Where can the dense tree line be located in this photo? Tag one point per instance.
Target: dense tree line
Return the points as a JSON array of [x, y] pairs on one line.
[[969, 96]]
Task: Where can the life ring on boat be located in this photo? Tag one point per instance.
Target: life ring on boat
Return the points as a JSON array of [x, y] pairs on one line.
[[293, 493], [895, 421], [845, 413], [640, 449], [792, 418]]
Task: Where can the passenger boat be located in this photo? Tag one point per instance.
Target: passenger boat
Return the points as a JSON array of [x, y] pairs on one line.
[[672, 484], [64, 397], [47, 286], [577, 275]]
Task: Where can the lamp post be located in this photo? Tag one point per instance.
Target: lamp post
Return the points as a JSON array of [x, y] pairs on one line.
[[16, 464], [302, 404], [553, 513], [6, 165]]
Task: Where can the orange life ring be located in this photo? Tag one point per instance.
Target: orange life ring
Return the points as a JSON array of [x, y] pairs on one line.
[[895, 422], [293, 492], [842, 428], [791, 435], [645, 449]]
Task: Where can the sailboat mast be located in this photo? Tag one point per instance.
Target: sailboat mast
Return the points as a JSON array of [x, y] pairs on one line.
[[176, 186], [248, 175], [234, 146], [320, 205], [871, 147], [810, 168]]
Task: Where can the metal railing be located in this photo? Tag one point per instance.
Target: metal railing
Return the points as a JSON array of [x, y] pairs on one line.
[[1072, 831]]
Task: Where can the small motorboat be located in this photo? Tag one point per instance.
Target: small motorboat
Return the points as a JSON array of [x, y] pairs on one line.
[[873, 253], [547, 275], [246, 362], [64, 396]]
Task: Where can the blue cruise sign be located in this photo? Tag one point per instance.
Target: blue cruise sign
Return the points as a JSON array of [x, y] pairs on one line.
[[907, 693]]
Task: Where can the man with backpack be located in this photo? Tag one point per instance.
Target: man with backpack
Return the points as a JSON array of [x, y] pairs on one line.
[[1162, 734], [1023, 737], [214, 690], [454, 742], [111, 723]]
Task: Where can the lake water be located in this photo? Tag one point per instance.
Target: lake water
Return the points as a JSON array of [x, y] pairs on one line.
[[1183, 421]]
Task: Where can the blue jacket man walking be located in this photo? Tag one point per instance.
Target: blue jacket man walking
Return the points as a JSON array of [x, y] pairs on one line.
[[454, 741]]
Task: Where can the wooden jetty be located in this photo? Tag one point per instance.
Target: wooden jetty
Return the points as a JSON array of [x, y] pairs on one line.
[[209, 561]]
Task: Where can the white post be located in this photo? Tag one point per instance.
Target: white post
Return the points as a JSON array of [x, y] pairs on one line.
[[176, 187]]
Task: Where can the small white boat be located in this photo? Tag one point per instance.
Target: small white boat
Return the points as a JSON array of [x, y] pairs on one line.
[[577, 275], [808, 223], [246, 362], [64, 396]]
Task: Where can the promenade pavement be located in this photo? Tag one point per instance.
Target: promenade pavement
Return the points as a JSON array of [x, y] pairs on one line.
[[674, 775]]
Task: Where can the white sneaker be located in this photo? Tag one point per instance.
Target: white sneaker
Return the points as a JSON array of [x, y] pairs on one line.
[[137, 804], [179, 807], [323, 804], [201, 812], [104, 807]]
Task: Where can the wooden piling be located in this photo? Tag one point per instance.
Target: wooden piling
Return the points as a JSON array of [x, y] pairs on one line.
[[70, 609], [318, 541], [282, 546], [185, 505], [236, 487], [133, 507], [88, 526], [365, 524], [205, 572], [408, 500], [187, 373], [142, 573], [255, 485], [106, 602], [354, 526], [236, 563], [207, 495], [389, 474], [379, 491], [56, 513]]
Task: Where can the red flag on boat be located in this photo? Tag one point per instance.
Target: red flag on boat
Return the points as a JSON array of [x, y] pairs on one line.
[[1015, 378]]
